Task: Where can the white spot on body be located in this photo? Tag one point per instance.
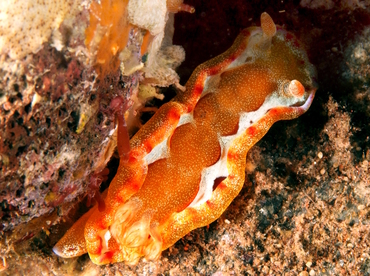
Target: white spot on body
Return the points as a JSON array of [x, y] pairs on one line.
[[105, 237]]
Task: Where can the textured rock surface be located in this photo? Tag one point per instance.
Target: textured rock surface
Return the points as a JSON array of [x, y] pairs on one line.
[[26, 25], [55, 126]]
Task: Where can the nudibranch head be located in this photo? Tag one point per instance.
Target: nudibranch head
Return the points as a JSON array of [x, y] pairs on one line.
[[187, 164]]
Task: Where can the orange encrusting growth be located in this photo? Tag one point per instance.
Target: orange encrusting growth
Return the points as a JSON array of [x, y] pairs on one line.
[[187, 163], [107, 33], [146, 40]]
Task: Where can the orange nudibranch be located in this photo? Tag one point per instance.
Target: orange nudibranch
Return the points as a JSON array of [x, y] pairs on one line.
[[170, 184]]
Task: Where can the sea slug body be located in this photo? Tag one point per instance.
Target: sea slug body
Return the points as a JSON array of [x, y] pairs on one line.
[[187, 164]]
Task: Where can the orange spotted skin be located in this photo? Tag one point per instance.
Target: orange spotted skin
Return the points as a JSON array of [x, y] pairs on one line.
[[107, 33], [168, 185]]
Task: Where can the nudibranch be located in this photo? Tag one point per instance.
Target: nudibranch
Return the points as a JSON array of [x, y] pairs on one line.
[[187, 163]]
